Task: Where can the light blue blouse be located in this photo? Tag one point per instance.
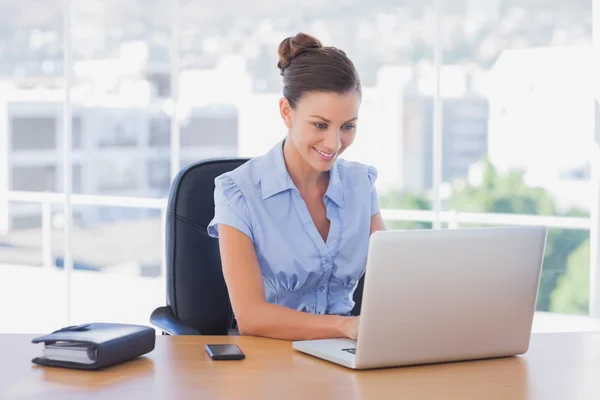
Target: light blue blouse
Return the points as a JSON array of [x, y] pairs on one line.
[[300, 270]]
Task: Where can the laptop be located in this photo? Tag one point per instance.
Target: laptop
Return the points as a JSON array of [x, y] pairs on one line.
[[435, 296]]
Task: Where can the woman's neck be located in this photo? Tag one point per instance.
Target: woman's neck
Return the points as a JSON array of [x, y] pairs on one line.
[[305, 177]]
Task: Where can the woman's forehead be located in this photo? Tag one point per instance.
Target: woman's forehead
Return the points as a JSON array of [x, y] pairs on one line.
[[330, 105]]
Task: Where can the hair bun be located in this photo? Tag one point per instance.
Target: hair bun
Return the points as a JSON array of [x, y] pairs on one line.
[[293, 46]]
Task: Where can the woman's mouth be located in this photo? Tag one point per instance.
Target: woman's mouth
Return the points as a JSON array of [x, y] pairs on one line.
[[324, 155]]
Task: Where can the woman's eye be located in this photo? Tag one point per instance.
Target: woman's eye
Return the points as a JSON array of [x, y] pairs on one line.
[[320, 125], [348, 127]]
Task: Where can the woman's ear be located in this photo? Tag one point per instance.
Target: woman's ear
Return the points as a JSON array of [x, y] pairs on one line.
[[286, 112]]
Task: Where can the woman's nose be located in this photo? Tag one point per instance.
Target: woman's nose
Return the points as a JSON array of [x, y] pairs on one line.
[[333, 141]]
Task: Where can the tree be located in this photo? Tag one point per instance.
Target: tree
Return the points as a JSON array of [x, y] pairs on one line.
[[559, 246], [501, 194], [572, 289], [508, 194], [406, 201]]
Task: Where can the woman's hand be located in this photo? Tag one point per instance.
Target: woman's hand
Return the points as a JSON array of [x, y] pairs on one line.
[[350, 329]]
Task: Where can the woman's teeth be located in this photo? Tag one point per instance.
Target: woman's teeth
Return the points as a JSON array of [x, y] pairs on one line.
[[323, 154]]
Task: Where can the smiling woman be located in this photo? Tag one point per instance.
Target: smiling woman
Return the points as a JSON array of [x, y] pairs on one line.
[[322, 125], [322, 95], [294, 224]]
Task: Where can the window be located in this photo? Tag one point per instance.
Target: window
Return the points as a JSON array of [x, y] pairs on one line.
[[531, 66], [515, 137], [159, 175], [215, 126], [77, 178], [77, 133], [34, 178], [20, 222], [117, 175], [33, 133], [124, 132], [122, 84], [160, 131]]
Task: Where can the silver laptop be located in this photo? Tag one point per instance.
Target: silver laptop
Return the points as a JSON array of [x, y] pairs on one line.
[[433, 296]]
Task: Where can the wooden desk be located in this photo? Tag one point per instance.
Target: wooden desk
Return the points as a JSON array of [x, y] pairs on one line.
[[557, 366]]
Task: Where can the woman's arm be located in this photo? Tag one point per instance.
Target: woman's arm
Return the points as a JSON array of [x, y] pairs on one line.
[[377, 223], [257, 317]]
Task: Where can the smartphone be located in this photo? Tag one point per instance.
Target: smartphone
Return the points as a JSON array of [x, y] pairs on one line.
[[225, 352]]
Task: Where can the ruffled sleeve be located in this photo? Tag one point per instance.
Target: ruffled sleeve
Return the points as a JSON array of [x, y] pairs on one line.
[[372, 175], [230, 208]]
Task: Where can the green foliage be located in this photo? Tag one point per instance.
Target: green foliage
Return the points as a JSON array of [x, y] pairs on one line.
[[406, 201], [502, 194], [572, 290], [508, 194], [560, 244]]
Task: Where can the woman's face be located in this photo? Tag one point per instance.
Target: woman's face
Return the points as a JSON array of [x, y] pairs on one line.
[[322, 126]]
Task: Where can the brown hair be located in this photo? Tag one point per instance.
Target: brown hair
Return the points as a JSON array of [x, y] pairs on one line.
[[307, 66]]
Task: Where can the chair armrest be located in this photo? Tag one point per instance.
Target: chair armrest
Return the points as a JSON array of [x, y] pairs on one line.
[[164, 319]]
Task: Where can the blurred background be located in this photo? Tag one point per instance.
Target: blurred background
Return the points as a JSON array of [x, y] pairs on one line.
[[475, 112]]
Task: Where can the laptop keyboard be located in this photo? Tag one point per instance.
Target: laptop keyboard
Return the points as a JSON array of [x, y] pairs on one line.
[[351, 350]]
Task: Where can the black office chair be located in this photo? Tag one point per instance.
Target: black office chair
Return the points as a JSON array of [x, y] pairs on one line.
[[197, 297]]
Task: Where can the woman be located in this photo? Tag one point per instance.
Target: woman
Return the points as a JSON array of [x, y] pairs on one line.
[[294, 224]]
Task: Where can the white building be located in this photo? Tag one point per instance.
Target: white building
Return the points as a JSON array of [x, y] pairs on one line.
[[542, 109], [117, 149], [380, 137], [464, 125], [542, 118], [121, 130]]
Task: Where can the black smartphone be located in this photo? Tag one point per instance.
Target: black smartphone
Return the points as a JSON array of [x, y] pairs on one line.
[[225, 352]]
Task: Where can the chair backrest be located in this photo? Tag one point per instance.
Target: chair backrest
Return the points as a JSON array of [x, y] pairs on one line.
[[196, 290]]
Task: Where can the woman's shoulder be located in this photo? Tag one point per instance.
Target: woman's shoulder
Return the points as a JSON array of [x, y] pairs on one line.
[[354, 172], [243, 180]]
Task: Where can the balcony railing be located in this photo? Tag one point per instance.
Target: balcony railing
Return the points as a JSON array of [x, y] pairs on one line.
[[47, 199], [453, 219]]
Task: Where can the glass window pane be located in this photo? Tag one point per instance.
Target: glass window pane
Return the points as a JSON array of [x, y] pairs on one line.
[[518, 124], [38, 178], [120, 93], [390, 43], [230, 84], [119, 253], [160, 130], [31, 284], [31, 87], [229, 81], [121, 99], [33, 133]]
